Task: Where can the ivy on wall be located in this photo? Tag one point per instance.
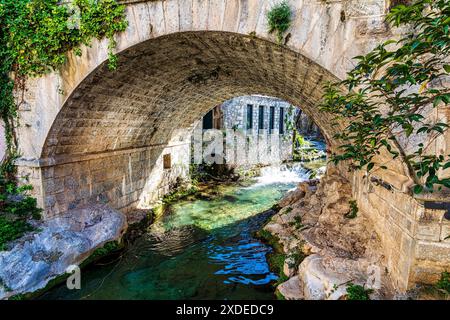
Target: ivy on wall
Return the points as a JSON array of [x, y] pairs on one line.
[[35, 36], [387, 94]]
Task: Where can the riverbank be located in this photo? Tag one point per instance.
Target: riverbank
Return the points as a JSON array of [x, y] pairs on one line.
[[330, 251]]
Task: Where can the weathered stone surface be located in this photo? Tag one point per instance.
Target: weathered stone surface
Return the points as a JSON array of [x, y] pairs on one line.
[[66, 240], [291, 289], [291, 197], [340, 250], [326, 278]]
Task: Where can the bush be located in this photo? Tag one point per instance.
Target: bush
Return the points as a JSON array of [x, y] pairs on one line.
[[279, 19], [444, 282], [11, 230], [16, 209]]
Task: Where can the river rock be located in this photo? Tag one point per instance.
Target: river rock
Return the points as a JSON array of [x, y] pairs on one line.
[[66, 240], [291, 197], [291, 289], [340, 250]]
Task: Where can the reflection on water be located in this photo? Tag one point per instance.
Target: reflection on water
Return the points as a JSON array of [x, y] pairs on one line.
[[202, 249]]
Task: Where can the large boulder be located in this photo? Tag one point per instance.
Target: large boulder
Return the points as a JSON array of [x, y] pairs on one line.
[[66, 240], [340, 248], [326, 278]]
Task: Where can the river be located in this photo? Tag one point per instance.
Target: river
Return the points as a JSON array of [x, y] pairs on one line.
[[200, 249]]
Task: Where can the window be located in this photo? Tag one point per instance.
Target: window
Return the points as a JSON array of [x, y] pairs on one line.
[[261, 118], [281, 127], [272, 119], [249, 116], [167, 161], [208, 120]]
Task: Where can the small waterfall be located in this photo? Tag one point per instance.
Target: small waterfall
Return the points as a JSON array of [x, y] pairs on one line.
[[283, 173]]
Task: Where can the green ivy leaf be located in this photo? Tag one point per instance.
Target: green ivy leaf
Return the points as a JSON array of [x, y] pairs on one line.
[[417, 189]]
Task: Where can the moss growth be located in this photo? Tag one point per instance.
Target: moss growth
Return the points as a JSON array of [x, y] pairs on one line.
[[107, 249], [297, 223], [294, 259], [444, 282], [357, 292], [276, 207], [179, 194], [18, 297], [276, 258], [279, 296], [276, 262], [270, 239]]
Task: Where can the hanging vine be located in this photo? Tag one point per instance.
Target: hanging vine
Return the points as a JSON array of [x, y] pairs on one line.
[[35, 36]]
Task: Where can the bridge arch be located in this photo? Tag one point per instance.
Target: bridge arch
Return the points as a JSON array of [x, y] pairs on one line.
[[177, 59]]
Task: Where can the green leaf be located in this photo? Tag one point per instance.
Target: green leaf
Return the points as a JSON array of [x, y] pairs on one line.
[[417, 189]]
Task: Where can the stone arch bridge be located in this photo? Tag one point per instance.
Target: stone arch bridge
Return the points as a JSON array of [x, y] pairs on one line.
[[89, 133]]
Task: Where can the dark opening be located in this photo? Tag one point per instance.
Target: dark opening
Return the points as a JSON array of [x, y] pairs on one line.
[[272, 119], [249, 116], [261, 118], [281, 125]]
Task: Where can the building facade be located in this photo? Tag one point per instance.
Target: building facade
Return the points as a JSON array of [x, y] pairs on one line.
[[265, 123]]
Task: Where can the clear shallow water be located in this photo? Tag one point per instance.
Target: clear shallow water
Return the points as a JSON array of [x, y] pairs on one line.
[[201, 249]]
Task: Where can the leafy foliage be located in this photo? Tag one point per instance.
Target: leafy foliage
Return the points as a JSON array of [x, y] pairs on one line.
[[35, 36], [16, 208], [386, 94], [357, 292], [444, 282], [11, 229], [279, 19], [353, 212]]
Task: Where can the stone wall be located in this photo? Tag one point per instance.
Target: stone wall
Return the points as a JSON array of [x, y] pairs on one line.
[[124, 179], [412, 236]]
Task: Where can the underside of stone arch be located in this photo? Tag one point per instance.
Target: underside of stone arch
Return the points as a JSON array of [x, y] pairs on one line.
[[109, 136]]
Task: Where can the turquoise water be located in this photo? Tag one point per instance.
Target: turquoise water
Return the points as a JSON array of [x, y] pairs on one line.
[[200, 249]]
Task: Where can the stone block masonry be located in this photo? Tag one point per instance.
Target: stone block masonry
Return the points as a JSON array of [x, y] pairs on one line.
[[414, 238], [125, 180]]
